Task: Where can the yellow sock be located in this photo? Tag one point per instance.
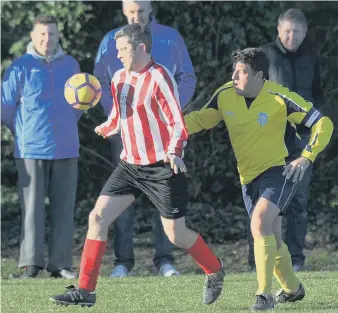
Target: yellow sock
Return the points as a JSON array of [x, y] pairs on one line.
[[265, 253], [284, 272]]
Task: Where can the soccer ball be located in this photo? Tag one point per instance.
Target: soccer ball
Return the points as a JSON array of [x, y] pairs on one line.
[[82, 91]]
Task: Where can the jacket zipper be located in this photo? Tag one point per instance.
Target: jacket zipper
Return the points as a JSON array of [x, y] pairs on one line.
[[51, 80]]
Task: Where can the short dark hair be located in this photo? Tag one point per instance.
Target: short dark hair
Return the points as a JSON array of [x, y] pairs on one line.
[[255, 57], [294, 15], [136, 34], [45, 19]]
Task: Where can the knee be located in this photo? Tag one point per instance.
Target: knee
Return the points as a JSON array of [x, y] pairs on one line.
[[260, 227], [95, 221], [98, 227], [175, 235]]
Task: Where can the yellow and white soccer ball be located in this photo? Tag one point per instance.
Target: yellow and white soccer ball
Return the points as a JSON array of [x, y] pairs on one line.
[[83, 91]]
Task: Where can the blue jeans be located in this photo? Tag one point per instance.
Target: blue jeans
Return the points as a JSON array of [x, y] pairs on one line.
[[124, 249], [296, 228], [123, 229]]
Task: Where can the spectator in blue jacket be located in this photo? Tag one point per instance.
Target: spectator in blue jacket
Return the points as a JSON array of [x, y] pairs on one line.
[[169, 50], [46, 138]]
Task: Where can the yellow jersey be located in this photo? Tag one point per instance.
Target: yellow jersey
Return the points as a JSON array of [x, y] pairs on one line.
[[257, 132]]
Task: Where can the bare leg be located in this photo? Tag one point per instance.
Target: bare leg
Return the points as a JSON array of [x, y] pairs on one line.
[[178, 233], [106, 210]]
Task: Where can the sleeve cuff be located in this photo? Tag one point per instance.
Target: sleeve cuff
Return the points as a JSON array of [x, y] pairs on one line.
[[177, 152], [308, 155]]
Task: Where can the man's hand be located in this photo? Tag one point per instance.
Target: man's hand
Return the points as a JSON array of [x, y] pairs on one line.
[[296, 167], [98, 131], [176, 163]]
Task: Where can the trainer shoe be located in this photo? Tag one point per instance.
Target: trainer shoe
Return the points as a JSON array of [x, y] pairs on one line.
[[213, 286], [263, 302], [75, 296], [167, 270], [31, 271], [282, 296], [119, 271], [64, 273]]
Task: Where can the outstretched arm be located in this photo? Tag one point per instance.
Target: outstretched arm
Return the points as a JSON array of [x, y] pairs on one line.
[[113, 125], [208, 117]]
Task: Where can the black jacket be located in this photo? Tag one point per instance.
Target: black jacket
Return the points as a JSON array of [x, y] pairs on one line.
[[299, 71]]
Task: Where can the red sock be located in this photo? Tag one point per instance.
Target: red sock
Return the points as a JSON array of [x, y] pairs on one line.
[[204, 257], [93, 252]]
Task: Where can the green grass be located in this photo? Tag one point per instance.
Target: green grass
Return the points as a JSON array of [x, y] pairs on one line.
[[147, 293], [175, 294]]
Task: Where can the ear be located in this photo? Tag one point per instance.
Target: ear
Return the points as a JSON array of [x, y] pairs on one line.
[[260, 75], [32, 35], [143, 47]]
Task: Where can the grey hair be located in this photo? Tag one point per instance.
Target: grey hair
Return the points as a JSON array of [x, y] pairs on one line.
[[124, 2], [294, 15]]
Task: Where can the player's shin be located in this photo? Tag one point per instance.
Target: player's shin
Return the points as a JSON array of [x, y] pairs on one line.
[[265, 249], [204, 257], [91, 259], [283, 270]]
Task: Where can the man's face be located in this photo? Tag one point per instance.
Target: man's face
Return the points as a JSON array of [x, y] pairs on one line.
[[244, 79], [126, 53], [45, 38], [137, 11], [291, 35]]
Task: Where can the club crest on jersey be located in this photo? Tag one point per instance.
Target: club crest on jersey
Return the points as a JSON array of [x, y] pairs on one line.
[[263, 118]]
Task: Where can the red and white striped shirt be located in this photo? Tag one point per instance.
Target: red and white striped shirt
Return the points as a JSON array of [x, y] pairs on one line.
[[146, 109]]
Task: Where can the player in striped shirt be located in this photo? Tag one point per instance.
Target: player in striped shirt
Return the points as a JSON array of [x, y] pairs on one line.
[[147, 112]]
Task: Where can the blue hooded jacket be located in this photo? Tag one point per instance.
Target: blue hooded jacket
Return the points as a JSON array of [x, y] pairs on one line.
[[34, 108], [168, 49]]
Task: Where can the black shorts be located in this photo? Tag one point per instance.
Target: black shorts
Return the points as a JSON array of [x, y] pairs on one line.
[[166, 190], [271, 185]]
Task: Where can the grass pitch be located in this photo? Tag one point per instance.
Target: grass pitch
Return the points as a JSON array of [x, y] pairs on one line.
[[182, 294]]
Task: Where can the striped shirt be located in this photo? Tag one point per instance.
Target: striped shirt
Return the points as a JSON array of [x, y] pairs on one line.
[[147, 112]]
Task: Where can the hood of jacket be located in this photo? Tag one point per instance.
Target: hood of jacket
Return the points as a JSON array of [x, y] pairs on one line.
[[58, 53]]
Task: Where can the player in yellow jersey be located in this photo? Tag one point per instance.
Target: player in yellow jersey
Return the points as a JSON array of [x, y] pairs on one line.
[[257, 113]]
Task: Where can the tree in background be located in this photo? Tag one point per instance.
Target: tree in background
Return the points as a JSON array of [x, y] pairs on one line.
[[212, 30]]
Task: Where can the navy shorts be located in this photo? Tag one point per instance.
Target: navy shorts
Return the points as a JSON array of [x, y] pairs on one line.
[[271, 185], [167, 191]]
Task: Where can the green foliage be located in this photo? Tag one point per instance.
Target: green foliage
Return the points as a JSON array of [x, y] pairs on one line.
[[211, 30], [18, 19]]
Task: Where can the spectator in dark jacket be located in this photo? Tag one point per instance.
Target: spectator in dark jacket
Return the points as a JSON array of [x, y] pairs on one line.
[[294, 63], [45, 129]]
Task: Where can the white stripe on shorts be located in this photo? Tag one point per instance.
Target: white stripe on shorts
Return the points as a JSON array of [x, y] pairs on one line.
[[281, 194]]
